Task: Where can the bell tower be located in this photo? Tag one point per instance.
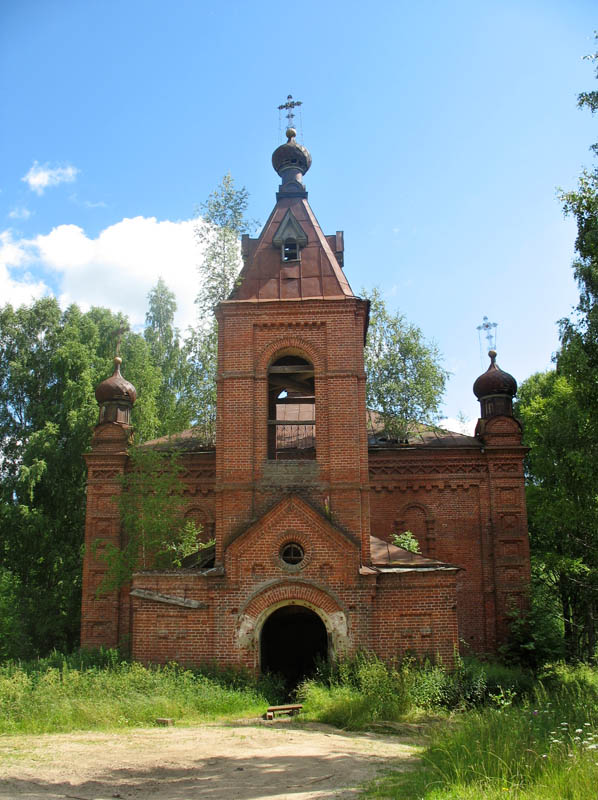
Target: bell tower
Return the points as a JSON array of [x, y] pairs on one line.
[[291, 381]]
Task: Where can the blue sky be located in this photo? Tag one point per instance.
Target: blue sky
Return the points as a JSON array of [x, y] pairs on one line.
[[439, 134]]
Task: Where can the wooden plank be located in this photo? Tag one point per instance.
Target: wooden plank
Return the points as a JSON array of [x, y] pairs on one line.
[[158, 597], [303, 369], [290, 422]]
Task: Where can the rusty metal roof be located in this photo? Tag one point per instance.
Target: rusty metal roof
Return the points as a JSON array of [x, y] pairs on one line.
[[389, 555], [418, 435], [316, 274], [191, 440]]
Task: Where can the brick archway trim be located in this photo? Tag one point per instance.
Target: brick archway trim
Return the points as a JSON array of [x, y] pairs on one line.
[[414, 504], [287, 591], [288, 343], [201, 510], [303, 593]]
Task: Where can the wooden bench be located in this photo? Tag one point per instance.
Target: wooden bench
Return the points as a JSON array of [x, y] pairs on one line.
[[272, 711]]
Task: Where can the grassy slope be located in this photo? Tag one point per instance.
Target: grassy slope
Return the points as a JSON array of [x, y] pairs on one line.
[[544, 749], [64, 698]]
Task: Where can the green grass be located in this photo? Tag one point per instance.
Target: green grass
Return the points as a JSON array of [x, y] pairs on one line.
[[545, 748], [77, 694], [502, 733], [357, 692]]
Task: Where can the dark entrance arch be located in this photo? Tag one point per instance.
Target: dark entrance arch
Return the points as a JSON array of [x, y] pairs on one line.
[[293, 639]]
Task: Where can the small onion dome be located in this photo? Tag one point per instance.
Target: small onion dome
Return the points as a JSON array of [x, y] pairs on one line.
[[494, 381], [116, 388], [291, 155]]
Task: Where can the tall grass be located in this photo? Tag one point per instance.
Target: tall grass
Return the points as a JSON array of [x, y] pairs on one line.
[[356, 692], [352, 694], [85, 692], [542, 748]]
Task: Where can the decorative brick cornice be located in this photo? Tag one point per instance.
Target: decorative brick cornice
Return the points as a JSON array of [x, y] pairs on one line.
[[426, 468], [289, 324]]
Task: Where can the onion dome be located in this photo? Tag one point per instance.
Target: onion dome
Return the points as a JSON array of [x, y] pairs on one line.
[[291, 155], [495, 390], [116, 397], [291, 161]]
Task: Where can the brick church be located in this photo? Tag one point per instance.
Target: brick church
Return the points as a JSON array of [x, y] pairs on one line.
[[302, 494]]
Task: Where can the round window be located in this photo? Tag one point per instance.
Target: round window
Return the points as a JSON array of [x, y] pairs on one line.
[[292, 553]]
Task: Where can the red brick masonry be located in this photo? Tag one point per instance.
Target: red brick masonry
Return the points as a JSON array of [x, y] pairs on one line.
[[462, 497]]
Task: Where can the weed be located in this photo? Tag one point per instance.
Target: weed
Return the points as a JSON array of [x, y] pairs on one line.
[[543, 746], [87, 691]]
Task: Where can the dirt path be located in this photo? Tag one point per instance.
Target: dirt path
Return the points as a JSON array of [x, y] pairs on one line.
[[249, 760]]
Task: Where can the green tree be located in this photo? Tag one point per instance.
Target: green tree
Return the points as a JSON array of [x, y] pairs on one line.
[[559, 411], [562, 500], [156, 535], [222, 223], [174, 408], [578, 357], [50, 363], [218, 231], [405, 381]]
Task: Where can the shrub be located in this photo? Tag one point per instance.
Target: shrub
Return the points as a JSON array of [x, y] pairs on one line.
[[355, 692], [543, 747], [471, 683]]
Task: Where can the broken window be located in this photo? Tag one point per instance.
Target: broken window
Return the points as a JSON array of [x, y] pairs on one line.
[[291, 409], [290, 250]]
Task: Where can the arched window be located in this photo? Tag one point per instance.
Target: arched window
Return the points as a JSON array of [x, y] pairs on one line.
[[290, 250], [291, 409]]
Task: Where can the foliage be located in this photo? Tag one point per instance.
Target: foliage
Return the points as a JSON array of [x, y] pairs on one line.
[[536, 636], [562, 475], [222, 224], [50, 362], [202, 350], [155, 532], [543, 747], [405, 381], [87, 691], [13, 636], [407, 541], [356, 692], [174, 402], [560, 423], [218, 232]]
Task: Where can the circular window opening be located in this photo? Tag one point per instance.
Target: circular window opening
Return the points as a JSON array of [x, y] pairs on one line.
[[292, 554]]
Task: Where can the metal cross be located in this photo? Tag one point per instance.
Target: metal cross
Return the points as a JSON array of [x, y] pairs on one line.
[[118, 333], [288, 107], [490, 332]]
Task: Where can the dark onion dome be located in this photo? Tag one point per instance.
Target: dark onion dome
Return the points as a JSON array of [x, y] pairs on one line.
[[116, 387], [494, 381], [291, 155]]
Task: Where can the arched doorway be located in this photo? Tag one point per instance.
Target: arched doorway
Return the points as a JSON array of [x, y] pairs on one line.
[[293, 639]]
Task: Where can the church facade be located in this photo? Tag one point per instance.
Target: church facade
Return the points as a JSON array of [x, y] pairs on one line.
[[302, 496]]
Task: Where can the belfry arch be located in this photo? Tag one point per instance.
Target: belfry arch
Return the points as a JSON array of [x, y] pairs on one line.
[[291, 409]]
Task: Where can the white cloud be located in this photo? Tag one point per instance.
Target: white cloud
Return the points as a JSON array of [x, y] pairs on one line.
[[19, 213], [463, 425], [16, 290], [41, 176], [118, 268], [74, 198]]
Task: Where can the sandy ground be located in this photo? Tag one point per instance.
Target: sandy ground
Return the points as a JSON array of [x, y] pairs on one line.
[[250, 760]]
